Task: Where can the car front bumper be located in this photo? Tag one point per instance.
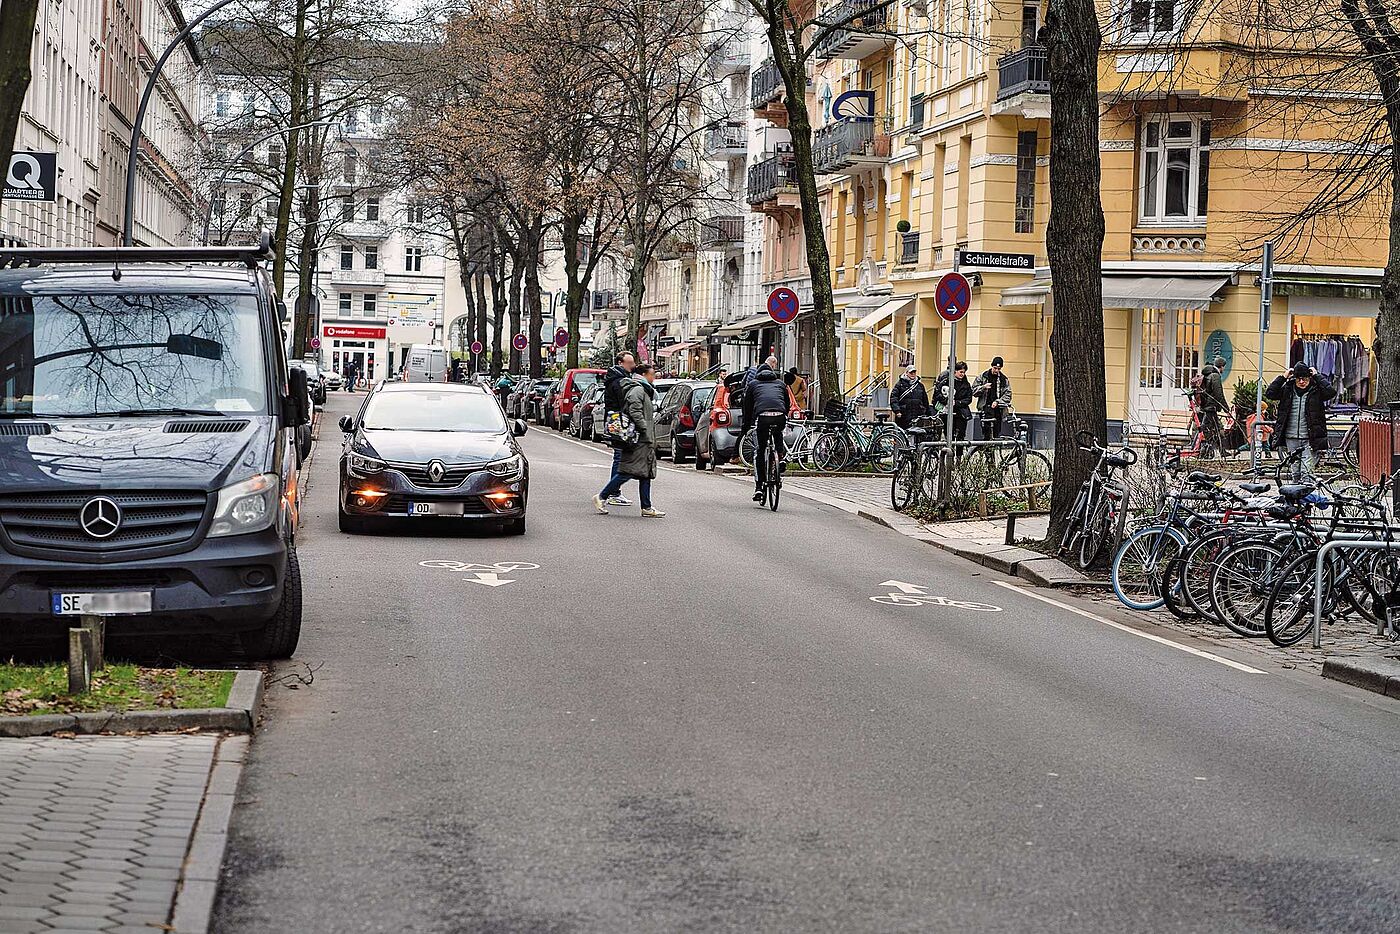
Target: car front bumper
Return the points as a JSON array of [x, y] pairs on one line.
[[223, 585], [389, 495]]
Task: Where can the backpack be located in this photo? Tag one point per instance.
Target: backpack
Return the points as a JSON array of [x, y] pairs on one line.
[[619, 427]]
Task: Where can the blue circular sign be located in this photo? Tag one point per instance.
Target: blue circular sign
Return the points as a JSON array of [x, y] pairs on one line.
[[953, 297], [783, 305], [1218, 344]]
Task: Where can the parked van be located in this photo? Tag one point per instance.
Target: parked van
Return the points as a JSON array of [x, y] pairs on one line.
[[426, 363], [148, 431]]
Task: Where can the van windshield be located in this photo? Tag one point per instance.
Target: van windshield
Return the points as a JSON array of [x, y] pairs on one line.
[[92, 354]]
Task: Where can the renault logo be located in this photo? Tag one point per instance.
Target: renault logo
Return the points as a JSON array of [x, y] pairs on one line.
[[436, 471], [100, 517]]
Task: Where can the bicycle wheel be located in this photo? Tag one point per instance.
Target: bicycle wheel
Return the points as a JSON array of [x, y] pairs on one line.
[[1174, 590], [1096, 532], [775, 480], [884, 451], [831, 451], [1351, 448], [1240, 584], [1288, 613], [905, 481], [748, 446], [1140, 566], [1196, 564], [1074, 525]]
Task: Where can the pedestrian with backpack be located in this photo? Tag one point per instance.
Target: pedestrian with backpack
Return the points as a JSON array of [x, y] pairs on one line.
[[638, 457]]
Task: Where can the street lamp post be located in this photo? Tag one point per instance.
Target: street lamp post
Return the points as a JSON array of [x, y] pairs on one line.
[[223, 176], [128, 218]]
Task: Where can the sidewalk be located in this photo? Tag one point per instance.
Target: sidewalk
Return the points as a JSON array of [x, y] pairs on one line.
[[114, 833]]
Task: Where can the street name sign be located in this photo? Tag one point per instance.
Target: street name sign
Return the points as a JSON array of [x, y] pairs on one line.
[[1019, 262]]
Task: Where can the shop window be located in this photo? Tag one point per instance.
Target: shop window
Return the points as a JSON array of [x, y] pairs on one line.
[[1188, 346], [1175, 169], [1151, 370]]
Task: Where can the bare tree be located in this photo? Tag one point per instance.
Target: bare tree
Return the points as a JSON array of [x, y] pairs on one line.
[[16, 36]]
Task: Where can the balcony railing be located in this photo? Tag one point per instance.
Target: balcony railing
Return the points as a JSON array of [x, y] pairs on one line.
[[845, 143], [721, 230], [862, 34], [765, 85], [726, 139], [771, 177], [1023, 72], [909, 248], [363, 230], [357, 276], [730, 57]]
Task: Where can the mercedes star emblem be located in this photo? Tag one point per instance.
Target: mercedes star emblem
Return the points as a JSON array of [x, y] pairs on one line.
[[100, 517], [436, 471]]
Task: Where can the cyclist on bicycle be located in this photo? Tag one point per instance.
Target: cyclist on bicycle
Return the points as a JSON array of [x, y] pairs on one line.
[[766, 404]]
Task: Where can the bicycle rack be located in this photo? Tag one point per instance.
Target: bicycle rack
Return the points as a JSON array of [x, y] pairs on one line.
[[1357, 542]]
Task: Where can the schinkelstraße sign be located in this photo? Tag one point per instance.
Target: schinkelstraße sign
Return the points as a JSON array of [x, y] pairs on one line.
[[1018, 261], [33, 176]]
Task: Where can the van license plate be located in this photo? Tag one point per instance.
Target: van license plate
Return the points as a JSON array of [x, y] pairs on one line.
[[436, 509], [101, 604]]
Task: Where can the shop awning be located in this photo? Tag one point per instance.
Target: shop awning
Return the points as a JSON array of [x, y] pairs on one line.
[[745, 324], [675, 349], [866, 303], [1180, 292], [1353, 287], [873, 322], [1030, 293]]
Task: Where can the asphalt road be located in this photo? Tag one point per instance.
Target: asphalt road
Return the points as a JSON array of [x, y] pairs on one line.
[[704, 723]]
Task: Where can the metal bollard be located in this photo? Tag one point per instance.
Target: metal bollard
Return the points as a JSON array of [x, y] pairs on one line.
[[1011, 528]]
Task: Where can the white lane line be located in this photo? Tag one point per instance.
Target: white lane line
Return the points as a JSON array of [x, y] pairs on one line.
[[594, 448], [1230, 663]]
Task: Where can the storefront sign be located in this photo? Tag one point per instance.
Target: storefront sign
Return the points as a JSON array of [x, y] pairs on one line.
[[1218, 344], [335, 330]]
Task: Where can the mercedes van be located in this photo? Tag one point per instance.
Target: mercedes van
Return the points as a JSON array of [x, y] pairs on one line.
[[148, 463], [426, 363]]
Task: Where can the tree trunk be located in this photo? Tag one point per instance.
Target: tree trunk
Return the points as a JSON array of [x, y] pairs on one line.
[[573, 309], [498, 310], [533, 239], [309, 251], [517, 284], [16, 37], [482, 359], [793, 68], [636, 292], [1074, 242], [287, 189]]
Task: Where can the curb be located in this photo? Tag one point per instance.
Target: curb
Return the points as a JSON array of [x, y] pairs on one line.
[[238, 715], [1380, 675], [199, 876]]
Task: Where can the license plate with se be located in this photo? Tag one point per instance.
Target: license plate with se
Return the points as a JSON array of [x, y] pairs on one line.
[[101, 604]]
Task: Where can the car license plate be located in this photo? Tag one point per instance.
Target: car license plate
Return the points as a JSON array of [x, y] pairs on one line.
[[101, 604], [436, 509]]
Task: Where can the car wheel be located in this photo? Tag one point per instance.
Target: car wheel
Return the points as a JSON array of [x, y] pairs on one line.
[[278, 637], [677, 455], [514, 526], [700, 462]]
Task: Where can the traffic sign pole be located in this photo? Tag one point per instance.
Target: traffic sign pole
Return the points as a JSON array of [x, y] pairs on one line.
[[948, 410]]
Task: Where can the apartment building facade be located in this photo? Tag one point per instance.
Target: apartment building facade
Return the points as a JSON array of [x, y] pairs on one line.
[[90, 60]]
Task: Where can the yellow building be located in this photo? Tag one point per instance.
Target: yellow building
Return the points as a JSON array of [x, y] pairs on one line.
[[1197, 162]]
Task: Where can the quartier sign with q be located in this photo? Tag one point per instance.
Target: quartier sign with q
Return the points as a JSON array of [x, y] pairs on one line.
[[32, 176]]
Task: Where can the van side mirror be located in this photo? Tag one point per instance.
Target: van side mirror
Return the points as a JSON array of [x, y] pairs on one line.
[[519, 428], [300, 403], [347, 423]]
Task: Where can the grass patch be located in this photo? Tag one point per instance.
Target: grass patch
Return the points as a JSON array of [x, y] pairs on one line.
[[27, 690]]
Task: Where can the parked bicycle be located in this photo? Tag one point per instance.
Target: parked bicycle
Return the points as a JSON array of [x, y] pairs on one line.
[[1100, 510]]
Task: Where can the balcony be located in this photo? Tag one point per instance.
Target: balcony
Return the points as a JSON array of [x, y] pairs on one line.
[[766, 89], [1023, 83], [726, 141], [909, 249], [362, 230], [721, 231], [863, 33], [361, 277], [730, 58], [848, 144], [680, 242], [773, 185]]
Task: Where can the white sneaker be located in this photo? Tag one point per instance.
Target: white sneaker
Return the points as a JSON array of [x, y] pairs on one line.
[[598, 505], [653, 514], [619, 501]]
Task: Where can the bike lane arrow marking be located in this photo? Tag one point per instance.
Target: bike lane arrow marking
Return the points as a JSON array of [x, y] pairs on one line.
[[491, 579], [904, 588]]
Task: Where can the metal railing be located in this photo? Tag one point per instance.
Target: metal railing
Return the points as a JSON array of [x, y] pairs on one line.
[[909, 248], [721, 229], [769, 177], [838, 145], [861, 17], [726, 136], [1023, 71], [766, 85]]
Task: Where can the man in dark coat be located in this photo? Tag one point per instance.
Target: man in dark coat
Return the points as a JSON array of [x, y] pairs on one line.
[[614, 391], [909, 398], [993, 391], [1302, 395], [766, 405], [1211, 402], [962, 399]]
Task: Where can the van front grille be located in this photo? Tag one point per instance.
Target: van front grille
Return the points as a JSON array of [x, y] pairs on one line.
[[148, 519]]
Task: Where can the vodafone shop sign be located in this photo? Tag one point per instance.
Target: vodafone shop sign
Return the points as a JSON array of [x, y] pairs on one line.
[[336, 330]]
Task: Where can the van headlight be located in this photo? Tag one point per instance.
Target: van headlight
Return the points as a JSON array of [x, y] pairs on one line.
[[248, 506], [507, 468], [362, 466]]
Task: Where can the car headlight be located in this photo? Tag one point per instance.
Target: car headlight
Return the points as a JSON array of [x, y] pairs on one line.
[[507, 468], [363, 466], [248, 506]]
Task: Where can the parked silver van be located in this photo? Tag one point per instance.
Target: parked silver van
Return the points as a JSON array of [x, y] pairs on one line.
[[426, 363]]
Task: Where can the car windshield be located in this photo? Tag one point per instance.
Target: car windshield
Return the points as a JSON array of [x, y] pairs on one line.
[[701, 398], [95, 354], [429, 410], [583, 380]]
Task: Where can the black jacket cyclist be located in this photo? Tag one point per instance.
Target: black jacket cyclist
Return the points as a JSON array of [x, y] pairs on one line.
[[766, 405]]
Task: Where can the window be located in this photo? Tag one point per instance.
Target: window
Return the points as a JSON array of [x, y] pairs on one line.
[[352, 122], [220, 203], [371, 257], [1026, 146], [245, 203], [347, 256], [347, 207], [1147, 18], [376, 115], [275, 155], [247, 102], [371, 304], [1030, 24], [413, 259], [371, 209], [1175, 169], [352, 165], [346, 302], [416, 212], [221, 103]]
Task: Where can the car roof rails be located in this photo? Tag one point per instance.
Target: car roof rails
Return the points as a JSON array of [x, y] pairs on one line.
[[249, 255]]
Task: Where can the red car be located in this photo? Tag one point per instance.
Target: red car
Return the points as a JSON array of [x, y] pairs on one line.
[[570, 391]]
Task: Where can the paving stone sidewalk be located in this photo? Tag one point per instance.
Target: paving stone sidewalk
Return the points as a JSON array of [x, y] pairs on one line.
[[95, 830]]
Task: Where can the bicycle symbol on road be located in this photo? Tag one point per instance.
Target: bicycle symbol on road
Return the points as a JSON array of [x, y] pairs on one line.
[[488, 575], [915, 595]]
